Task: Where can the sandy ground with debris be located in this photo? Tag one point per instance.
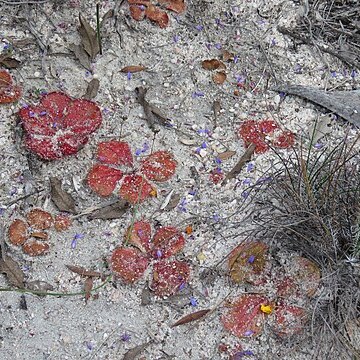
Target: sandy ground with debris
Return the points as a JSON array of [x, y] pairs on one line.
[[66, 327]]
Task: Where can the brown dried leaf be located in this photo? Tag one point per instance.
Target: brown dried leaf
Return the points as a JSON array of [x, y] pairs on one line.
[[89, 38], [133, 68], [113, 211], [219, 77], [40, 235], [239, 165], [88, 285], [108, 15], [81, 55], [226, 155], [61, 198], [191, 317], [39, 219], [227, 56], [9, 63], [145, 296], [38, 285], [12, 270], [35, 248], [18, 232], [137, 350], [213, 64], [92, 89], [173, 202], [84, 272]]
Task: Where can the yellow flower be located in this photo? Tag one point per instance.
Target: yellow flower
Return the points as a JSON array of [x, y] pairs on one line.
[[266, 309]]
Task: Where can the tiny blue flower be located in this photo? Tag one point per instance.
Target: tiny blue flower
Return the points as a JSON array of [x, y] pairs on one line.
[[251, 259], [193, 301]]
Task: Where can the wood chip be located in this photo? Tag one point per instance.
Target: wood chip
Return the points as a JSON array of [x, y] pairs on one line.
[[191, 317]]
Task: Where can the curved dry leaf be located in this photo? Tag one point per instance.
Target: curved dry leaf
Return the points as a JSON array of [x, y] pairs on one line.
[[84, 272], [133, 69], [112, 211], [61, 198], [9, 62], [88, 285], [226, 155], [191, 317], [134, 352], [12, 270], [219, 77]]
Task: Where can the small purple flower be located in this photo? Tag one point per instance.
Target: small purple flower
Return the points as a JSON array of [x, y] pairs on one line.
[[251, 259], [73, 243], [142, 7], [250, 167], [218, 161], [199, 27], [42, 113], [333, 74], [79, 236], [176, 38], [89, 345], [2, 211], [137, 152], [240, 355], [236, 59], [129, 75], [158, 254], [196, 94], [87, 73], [182, 205], [203, 145], [240, 79], [208, 46], [246, 181], [282, 95], [125, 337], [216, 217], [248, 333], [353, 73], [245, 194], [203, 131], [273, 42], [31, 114], [218, 46], [318, 146], [193, 301]]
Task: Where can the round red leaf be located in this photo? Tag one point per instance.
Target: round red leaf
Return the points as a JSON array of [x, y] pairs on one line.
[[168, 277], [83, 117], [285, 140], [289, 320], [128, 264], [55, 104], [39, 219], [217, 176], [18, 232], [8, 91], [69, 144], [102, 179], [267, 126], [135, 189], [62, 222], [244, 317], [167, 242], [159, 166], [139, 234], [114, 152], [37, 121], [250, 134], [43, 147], [35, 247]]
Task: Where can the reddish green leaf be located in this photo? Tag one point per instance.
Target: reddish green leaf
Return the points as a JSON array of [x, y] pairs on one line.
[[168, 277], [159, 166], [114, 152], [102, 179], [289, 320], [247, 262], [136, 188], [128, 264], [284, 140], [244, 317], [139, 234], [167, 242]]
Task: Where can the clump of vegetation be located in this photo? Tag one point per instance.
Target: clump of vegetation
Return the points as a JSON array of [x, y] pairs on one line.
[[312, 208]]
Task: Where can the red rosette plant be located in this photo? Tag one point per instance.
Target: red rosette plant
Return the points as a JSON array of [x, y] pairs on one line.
[[9, 92], [135, 187], [59, 125], [130, 262], [141, 9], [265, 133], [246, 315]]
